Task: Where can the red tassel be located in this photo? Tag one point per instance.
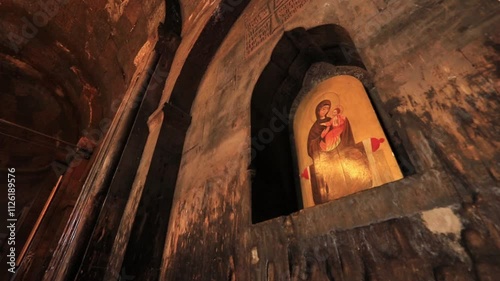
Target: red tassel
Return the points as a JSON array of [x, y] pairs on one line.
[[376, 143], [305, 174]]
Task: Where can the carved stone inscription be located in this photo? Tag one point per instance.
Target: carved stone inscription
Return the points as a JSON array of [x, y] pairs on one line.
[[286, 9], [262, 24]]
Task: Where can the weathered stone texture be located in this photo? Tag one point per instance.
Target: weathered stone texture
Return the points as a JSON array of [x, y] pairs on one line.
[[431, 68], [435, 68], [65, 68]]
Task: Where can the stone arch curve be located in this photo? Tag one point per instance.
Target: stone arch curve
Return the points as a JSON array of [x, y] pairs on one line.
[[300, 60], [273, 187], [321, 71]]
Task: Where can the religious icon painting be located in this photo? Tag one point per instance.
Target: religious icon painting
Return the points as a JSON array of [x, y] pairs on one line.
[[341, 147]]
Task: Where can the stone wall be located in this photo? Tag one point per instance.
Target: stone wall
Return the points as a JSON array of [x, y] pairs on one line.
[[65, 67], [434, 65]]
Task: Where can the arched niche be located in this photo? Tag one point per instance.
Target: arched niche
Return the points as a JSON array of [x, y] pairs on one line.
[[296, 65]]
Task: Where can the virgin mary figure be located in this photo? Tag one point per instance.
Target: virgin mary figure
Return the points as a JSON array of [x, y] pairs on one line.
[[340, 166]]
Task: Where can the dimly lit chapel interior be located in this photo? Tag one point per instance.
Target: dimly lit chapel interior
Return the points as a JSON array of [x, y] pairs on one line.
[[223, 140]]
